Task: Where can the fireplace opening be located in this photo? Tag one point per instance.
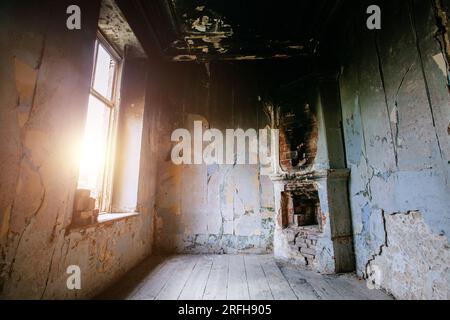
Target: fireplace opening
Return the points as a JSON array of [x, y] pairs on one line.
[[301, 207], [305, 211]]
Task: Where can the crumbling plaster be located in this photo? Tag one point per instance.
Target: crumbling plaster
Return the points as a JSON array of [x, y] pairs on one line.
[[211, 208], [44, 86], [396, 115], [442, 35], [391, 268], [116, 29], [396, 111]]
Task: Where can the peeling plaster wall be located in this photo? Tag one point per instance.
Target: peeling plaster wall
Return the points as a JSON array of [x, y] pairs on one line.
[[44, 87], [129, 136], [211, 208], [116, 29], [396, 115], [428, 276], [442, 13]]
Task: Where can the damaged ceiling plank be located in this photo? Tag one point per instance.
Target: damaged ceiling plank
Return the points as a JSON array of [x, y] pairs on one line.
[[188, 30], [442, 13]]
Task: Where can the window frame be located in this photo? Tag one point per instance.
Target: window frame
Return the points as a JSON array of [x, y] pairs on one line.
[[105, 194]]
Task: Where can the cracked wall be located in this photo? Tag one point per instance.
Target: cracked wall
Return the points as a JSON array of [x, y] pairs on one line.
[[391, 268], [396, 113], [442, 35], [44, 89], [211, 208]]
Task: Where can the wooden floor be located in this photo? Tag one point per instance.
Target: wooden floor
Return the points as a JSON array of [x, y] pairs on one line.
[[233, 277]]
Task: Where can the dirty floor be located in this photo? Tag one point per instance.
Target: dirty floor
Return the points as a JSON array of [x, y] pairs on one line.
[[233, 277]]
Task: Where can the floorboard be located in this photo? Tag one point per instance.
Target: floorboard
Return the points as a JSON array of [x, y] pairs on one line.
[[321, 286], [237, 279], [258, 286], [178, 278], [234, 277], [217, 285], [196, 283], [279, 286], [302, 288]]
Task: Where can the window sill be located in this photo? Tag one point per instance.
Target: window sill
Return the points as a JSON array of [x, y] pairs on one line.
[[103, 218], [106, 217]]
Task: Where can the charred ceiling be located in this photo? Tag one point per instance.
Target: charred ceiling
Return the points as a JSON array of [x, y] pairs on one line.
[[187, 30]]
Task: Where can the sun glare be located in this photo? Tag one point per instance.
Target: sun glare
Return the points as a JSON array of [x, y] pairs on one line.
[[94, 149]]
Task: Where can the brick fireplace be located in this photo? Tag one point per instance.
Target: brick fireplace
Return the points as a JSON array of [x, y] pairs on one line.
[[313, 225]]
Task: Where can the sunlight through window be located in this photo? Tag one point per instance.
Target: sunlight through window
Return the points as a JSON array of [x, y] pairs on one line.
[[97, 134]]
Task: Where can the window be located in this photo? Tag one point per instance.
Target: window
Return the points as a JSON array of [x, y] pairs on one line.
[[97, 147]]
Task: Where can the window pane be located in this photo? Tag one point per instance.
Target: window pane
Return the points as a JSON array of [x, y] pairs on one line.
[[93, 156], [104, 73]]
